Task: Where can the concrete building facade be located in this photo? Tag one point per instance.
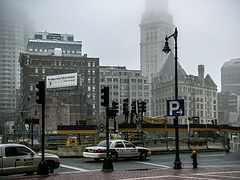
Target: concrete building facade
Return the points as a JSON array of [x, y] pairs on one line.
[[199, 93], [230, 77], [124, 83], [15, 29], [228, 108], [46, 43], [64, 105]]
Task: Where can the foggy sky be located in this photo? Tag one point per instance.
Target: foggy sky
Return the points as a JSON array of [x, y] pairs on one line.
[[209, 30]]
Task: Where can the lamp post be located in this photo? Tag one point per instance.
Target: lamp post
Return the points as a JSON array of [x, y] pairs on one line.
[[166, 49]]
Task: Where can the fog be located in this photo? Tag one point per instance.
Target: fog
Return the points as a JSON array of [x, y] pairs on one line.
[[209, 30]]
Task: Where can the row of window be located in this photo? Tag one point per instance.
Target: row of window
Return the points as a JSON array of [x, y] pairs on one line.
[[45, 50], [60, 63]]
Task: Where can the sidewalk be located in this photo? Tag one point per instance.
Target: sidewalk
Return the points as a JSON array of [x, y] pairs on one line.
[[204, 173]]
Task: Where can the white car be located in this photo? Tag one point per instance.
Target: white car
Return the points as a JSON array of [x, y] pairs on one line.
[[117, 149], [18, 159]]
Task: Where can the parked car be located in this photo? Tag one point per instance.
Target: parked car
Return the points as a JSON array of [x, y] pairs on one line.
[[117, 149], [18, 159]]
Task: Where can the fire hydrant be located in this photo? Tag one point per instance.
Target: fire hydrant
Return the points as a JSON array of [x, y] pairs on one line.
[[194, 158]]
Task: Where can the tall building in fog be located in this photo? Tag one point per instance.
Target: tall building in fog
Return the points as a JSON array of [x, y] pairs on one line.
[[156, 23], [230, 77], [14, 31]]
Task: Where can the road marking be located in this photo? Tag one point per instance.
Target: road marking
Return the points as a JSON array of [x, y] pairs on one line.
[[72, 167], [211, 155], [170, 176], [152, 164]]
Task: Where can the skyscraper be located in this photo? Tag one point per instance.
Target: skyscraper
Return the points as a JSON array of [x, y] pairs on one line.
[[230, 77], [155, 25], [14, 31]]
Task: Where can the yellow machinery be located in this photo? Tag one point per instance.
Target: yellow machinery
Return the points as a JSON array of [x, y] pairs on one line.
[[156, 120], [72, 141]]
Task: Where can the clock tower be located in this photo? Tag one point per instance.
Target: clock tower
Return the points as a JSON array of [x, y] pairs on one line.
[[156, 23]]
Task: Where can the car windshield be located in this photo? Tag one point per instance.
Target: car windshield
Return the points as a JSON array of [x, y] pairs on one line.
[[104, 143]]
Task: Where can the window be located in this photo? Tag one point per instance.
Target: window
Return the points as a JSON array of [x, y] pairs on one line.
[[22, 151], [43, 71], [119, 144], [10, 151], [128, 144], [36, 71]]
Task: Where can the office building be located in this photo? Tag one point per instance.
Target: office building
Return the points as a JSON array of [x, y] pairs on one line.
[[15, 28], [14, 31], [46, 43], [124, 83], [58, 57], [230, 77], [199, 93], [228, 108]]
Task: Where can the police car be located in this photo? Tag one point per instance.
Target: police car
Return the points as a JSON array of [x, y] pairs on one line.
[[117, 149]]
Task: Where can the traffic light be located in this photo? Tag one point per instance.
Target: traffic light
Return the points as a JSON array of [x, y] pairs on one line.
[[125, 106], [134, 108], [40, 92], [144, 108], [105, 96], [115, 106], [139, 104], [114, 110]]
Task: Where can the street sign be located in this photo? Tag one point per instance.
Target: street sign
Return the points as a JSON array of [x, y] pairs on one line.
[[101, 127], [175, 107], [139, 127]]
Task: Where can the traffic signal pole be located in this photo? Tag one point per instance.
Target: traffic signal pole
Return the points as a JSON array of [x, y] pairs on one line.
[[43, 130], [43, 166], [107, 162]]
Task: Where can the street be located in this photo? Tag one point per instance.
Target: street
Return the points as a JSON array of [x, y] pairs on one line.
[[205, 159], [212, 165]]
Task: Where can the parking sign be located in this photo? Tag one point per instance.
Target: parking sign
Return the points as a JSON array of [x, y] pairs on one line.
[[175, 107]]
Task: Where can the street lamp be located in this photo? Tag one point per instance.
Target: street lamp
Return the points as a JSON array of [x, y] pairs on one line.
[[166, 49]]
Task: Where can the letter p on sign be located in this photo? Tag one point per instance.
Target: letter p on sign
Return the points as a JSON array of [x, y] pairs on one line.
[[175, 107]]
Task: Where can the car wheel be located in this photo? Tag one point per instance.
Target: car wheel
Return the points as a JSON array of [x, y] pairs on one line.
[[50, 167], [114, 156], [143, 156], [43, 168]]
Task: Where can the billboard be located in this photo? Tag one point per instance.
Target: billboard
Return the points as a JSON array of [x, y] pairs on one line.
[[61, 80]]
